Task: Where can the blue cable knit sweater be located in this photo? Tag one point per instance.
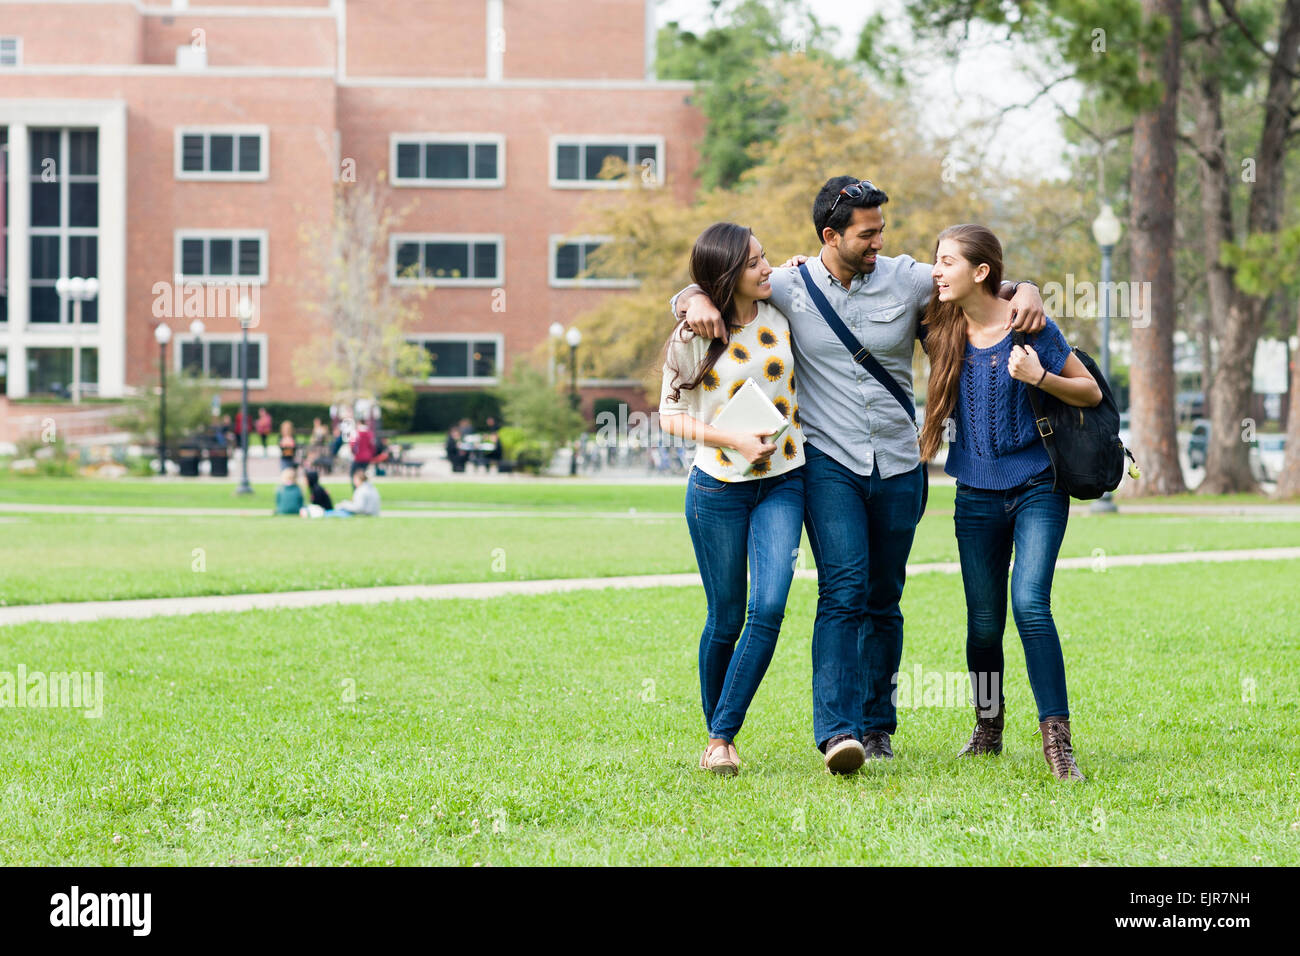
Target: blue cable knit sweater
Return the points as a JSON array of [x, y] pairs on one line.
[[996, 445]]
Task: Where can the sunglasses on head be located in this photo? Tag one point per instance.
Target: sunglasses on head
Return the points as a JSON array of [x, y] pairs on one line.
[[853, 191]]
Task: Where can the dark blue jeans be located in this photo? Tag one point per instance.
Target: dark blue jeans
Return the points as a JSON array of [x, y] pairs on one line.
[[735, 524], [1031, 519], [861, 529]]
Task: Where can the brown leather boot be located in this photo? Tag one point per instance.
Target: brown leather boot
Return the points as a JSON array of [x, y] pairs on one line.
[[986, 738], [1057, 749]]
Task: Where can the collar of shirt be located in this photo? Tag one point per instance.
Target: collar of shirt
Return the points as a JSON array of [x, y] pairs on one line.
[[824, 275]]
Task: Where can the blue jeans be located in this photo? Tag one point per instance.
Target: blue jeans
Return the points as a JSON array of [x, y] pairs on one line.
[[1031, 518], [734, 523], [861, 529]]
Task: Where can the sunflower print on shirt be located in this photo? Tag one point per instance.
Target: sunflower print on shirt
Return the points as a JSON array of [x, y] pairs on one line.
[[789, 448], [739, 353], [782, 405], [735, 387], [709, 381], [773, 369], [767, 338], [794, 417], [760, 468], [723, 460]]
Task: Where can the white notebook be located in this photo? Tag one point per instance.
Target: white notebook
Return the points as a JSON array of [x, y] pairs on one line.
[[750, 410]]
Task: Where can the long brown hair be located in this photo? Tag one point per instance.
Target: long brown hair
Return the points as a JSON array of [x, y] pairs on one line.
[[718, 260], [945, 340]]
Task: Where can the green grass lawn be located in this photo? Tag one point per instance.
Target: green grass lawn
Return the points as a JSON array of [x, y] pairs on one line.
[[46, 558], [519, 492], [566, 729]]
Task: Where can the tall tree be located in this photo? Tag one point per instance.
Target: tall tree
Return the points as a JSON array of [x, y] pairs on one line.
[[728, 60], [360, 349], [1151, 245], [1229, 52]]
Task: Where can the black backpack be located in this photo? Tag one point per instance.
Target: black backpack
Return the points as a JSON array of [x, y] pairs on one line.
[[1083, 443]]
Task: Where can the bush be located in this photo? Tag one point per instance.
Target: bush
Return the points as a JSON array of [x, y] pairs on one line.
[[438, 411], [541, 412], [398, 405]]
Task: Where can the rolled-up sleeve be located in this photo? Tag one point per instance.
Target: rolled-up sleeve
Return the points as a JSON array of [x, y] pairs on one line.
[[680, 362]]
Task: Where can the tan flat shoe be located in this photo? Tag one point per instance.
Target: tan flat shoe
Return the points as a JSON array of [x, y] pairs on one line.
[[718, 760]]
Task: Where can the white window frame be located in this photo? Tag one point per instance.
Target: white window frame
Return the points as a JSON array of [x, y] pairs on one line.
[[632, 139], [419, 338], [254, 338], [17, 42], [235, 278], [466, 139], [401, 238], [207, 132], [552, 259]]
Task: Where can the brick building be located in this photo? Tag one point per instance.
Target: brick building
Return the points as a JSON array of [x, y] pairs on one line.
[[150, 145]]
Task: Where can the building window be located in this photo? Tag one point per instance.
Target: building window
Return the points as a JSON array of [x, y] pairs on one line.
[[11, 51], [577, 161], [215, 357], [459, 160], [221, 255], [462, 359], [225, 153], [465, 260], [569, 267], [63, 178], [49, 371]]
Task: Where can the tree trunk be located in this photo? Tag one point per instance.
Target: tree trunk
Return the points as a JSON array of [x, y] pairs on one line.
[[1155, 160], [1288, 483], [1227, 465]]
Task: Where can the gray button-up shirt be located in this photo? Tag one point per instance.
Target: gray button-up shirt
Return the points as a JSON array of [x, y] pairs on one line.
[[844, 411]]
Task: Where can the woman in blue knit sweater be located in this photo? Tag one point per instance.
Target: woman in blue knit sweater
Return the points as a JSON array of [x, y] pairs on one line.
[[978, 400]]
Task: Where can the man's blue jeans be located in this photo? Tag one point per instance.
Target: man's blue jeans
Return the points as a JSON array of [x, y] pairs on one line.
[[1032, 518], [733, 524], [861, 530]]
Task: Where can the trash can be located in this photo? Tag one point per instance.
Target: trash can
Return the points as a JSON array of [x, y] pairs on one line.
[[219, 462], [187, 459]]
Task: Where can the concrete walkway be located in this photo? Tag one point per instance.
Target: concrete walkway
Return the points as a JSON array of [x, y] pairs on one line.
[[1279, 512], [171, 607]]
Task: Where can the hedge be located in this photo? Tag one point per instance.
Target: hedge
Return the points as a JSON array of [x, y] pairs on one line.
[[438, 411]]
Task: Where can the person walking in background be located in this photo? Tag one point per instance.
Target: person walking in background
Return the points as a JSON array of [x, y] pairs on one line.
[[1007, 497], [363, 446], [288, 445], [263, 427], [288, 497], [241, 431]]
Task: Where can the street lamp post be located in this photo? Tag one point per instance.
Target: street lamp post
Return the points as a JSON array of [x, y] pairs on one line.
[[556, 331], [245, 320], [574, 338], [1106, 230], [77, 290], [162, 333]]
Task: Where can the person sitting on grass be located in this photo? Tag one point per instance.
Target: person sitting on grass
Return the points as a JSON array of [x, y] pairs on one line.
[[316, 491], [288, 497], [364, 501]]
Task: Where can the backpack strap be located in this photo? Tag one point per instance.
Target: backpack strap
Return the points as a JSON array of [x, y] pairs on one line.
[[856, 348], [1042, 423]]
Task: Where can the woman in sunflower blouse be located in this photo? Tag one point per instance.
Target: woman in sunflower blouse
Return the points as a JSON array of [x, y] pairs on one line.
[[738, 520]]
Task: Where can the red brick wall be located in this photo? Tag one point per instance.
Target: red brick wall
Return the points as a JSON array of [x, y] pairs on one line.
[[441, 38], [230, 41], [594, 39], [58, 33]]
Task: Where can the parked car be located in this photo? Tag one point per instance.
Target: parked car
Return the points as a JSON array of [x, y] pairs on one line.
[[1271, 450], [1266, 452]]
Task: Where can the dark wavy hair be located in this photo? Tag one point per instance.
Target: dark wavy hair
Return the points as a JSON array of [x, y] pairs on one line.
[[839, 219], [718, 260]]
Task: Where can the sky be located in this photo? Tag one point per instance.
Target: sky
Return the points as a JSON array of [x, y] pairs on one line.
[[985, 79]]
